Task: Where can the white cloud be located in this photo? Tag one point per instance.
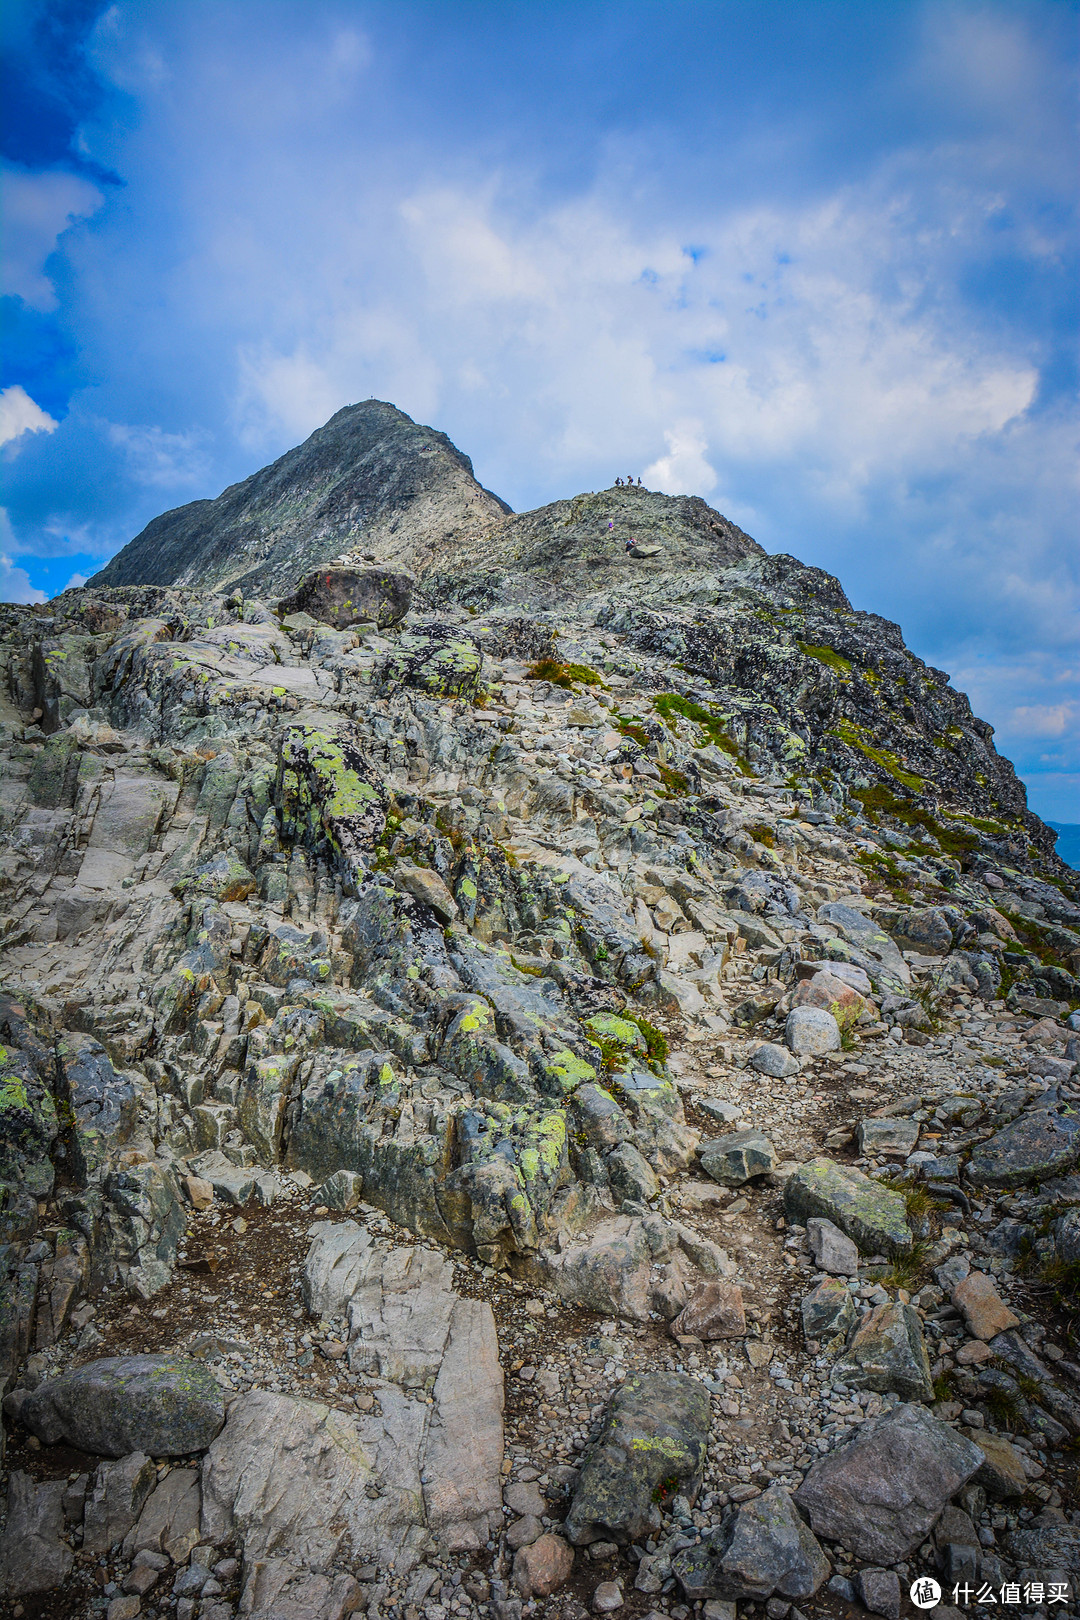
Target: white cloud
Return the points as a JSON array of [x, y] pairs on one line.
[[38, 208], [19, 414], [159, 458], [75, 580], [15, 583], [684, 470]]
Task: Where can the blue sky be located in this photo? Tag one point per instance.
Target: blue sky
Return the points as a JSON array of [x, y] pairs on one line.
[[816, 261]]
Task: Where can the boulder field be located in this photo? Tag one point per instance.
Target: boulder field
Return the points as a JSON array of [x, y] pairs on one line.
[[537, 1077]]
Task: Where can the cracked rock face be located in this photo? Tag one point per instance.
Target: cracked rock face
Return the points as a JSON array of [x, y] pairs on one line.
[[484, 1006]]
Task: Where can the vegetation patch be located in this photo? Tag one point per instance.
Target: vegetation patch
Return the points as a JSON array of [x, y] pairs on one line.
[[847, 731], [568, 676], [828, 656], [667, 704]]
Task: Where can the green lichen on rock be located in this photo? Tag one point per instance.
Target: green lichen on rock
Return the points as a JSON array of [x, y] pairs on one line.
[[874, 1216]]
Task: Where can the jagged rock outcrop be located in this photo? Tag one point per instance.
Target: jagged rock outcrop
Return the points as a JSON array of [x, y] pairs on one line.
[[441, 1022]]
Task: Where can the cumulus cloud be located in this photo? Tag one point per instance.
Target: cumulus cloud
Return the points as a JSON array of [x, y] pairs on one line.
[[684, 470], [155, 457], [19, 414], [38, 208], [15, 583]]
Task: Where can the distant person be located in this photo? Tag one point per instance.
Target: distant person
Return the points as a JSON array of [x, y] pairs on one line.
[[639, 483], [630, 545], [630, 480], [618, 483]]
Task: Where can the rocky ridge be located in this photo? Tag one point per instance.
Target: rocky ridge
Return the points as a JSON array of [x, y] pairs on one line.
[[515, 1108]]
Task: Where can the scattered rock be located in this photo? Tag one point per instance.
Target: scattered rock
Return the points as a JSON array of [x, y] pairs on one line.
[[828, 1311], [881, 1492], [543, 1566], [775, 1061], [715, 1312], [832, 1249], [888, 1355], [732, 1160], [761, 1548], [984, 1311], [1033, 1148], [810, 1031], [887, 1136], [33, 1555]]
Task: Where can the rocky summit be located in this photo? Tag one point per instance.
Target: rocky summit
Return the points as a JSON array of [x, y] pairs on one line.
[[539, 1077]]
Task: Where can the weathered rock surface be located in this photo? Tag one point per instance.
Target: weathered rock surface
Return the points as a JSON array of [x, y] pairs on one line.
[[888, 1355], [985, 1312], [733, 1159], [652, 1444], [33, 1557], [761, 1548], [880, 1493], [873, 1216], [468, 923], [162, 1405]]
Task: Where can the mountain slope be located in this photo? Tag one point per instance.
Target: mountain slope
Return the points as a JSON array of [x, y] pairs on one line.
[[371, 479]]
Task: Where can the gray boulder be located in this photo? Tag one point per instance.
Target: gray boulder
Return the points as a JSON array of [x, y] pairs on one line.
[[33, 1555], [1033, 1148], [651, 1448], [879, 1592], [882, 1492], [828, 1310], [873, 1216], [344, 596], [761, 1548], [163, 1405], [116, 1500], [833, 1250], [775, 1061], [733, 1159], [887, 1136], [888, 1355], [878, 954], [1045, 1547], [810, 1031]]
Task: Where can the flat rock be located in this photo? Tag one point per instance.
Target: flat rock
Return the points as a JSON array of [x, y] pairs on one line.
[[763, 1547], [833, 1250], [811, 1031], [879, 1592], [887, 1136], [888, 1355], [731, 1160], [163, 1405], [654, 1435], [873, 1216], [881, 1492], [343, 596], [984, 1311], [1033, 1148]]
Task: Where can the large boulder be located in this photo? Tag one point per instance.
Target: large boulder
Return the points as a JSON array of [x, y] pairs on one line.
[[1033, 1148], [739, 1157], [873, 1216], [871, 947], [761, 1548], [882, 1492], [888, 1355], [343, 596], [629, 1267], [651, 1448], [811, 1031], [166, 1406]]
